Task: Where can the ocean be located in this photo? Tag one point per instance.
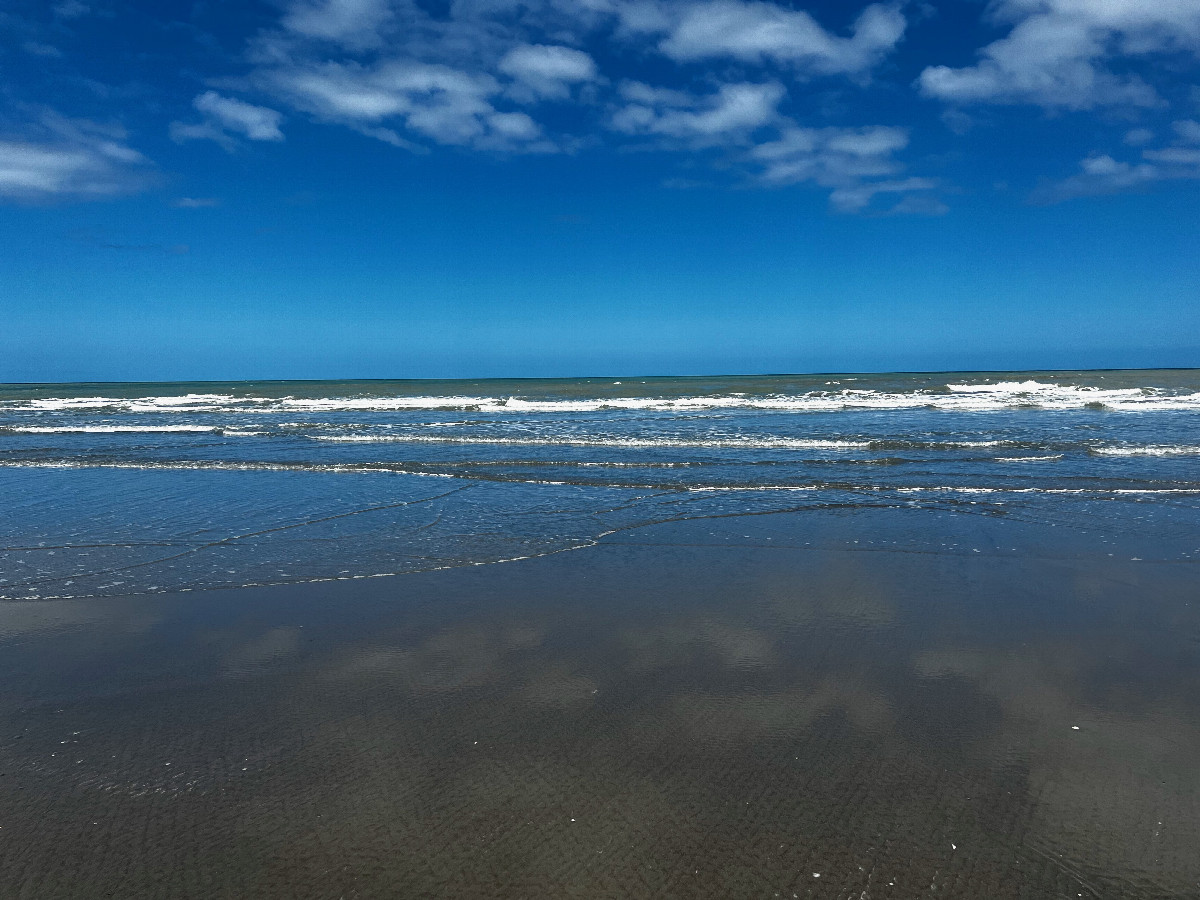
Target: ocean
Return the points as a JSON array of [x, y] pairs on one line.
[[117, 489]]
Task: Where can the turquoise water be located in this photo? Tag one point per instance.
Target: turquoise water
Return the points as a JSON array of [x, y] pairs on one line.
[[134, 488]]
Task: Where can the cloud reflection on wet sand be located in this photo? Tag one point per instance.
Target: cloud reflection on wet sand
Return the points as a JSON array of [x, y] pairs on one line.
[[687, 721]]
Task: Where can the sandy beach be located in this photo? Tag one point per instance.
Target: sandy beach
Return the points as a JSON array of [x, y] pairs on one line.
[[872, 703]]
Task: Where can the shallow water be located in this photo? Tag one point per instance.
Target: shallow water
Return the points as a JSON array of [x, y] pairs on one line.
[[117, 489]]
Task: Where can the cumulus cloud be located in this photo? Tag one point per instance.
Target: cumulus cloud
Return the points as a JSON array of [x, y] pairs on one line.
[[1058, 53], [498, 75], [447, 105], [477, 72], [756, 32], [412, 78], [355, 23], [856, 165], [734, 111], [547, 71], [225, 118], [62, 157]]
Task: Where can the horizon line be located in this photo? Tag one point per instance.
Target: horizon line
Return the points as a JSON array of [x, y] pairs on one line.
[[545, 378]]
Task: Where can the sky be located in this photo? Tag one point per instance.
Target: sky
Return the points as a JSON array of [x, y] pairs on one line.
[[477, 188]]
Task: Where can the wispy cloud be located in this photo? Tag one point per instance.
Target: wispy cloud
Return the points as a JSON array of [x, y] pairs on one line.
[[37, 48], [61, 157], [226, 119], [196, 203], [1102, 174], [731, 113], [71, 9], [856, 164]]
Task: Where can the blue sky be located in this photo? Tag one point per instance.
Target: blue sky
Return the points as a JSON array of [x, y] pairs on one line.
[[423, 188]]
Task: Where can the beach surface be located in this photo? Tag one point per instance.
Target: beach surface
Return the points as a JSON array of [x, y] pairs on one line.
[[857, 702]]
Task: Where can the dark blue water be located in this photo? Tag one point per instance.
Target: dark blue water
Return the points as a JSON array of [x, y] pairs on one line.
[[115, 489]]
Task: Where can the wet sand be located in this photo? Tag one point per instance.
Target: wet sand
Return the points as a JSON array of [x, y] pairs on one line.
[[889, 703]]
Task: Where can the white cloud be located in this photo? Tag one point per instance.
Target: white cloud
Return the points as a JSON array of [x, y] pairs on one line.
[[354, 23], [225, 117], [858, 197], [355, 62], [477, 74], [1102, 174], [831, 156], [1188, 130], [856, 164], [444, 104], [69, 158], [1057, 52], [756, 32], [515, 125], [1097, 175], [733, 111], [547, 71], [345, 92], [258, 123]]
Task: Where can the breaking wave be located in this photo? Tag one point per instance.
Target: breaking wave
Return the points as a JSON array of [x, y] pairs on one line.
[[960, 397]]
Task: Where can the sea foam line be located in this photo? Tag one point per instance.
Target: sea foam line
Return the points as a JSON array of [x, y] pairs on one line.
[[106, 429], [716, 443], [1148, 450], [988, 397]]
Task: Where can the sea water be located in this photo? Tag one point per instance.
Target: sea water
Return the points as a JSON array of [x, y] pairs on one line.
[[111, 489]]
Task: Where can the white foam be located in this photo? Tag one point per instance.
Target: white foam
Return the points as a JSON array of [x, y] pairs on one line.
[[960, 397], [1149, 450], [1002, 387], [106, 429], [716, 443], [987, 397], [172, 403]]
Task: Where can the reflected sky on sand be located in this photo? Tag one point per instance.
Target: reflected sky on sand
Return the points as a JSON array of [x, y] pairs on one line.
[[867, 703]]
